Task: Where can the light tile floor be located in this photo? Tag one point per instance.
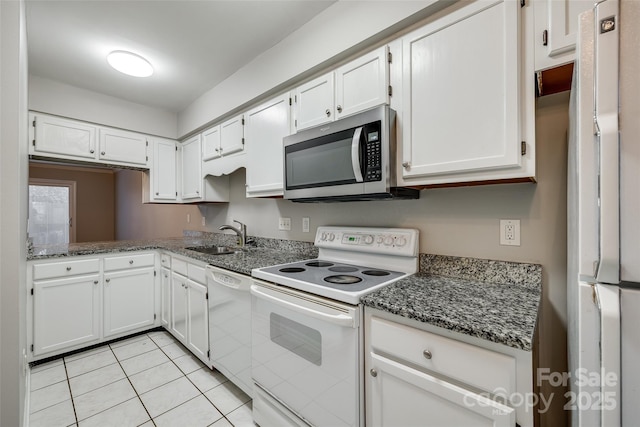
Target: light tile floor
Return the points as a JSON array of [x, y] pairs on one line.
[[147, 380]]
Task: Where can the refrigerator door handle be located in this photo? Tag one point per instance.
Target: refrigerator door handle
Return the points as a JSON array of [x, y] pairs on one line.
[[609, 303], [606, 116]]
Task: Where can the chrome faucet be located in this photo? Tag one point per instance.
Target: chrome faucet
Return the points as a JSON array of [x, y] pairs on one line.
[[241, 231]]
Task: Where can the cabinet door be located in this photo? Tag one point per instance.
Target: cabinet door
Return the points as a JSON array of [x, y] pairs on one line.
[[164, 170], [232, 136], [179, 307], [191, 169], [66, 312], [123, 147], [461, 94], [314, 102], [211, 143], [128, 302], [198, 315], [556, 27], [363, 83], [165, 297], [69, 138], [266, 126], [402, 396]]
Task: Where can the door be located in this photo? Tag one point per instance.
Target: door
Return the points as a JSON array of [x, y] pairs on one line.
[[462, 66], [211, 143], [123, 147], [314, 102], [164, 170], [266, 126], [232, 136], [128, 301], [191, 168], [66, 313], [198, 319], [363, 83], [67, 138], [179, 307], [401, 396], [305, 353], [165, 297]]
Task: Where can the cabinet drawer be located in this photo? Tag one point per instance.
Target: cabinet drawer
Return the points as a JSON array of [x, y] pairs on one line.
[[129, 261], [478, 367], [197, 274], [65, 268], [165, 260], [179, 266]]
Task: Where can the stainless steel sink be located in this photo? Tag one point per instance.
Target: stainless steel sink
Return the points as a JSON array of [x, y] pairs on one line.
[[214, 250]]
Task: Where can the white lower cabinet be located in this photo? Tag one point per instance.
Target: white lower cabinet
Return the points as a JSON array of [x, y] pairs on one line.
[[128, 301], [179, 306], [165, 297], [66, 313], [197, 319], [415, 377]]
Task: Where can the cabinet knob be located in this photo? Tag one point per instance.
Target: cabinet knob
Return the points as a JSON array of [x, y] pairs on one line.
[[406, 165], [103, 153], [328, 113], [217, 149], [373, 373], [95, 282], [157, 193], [427, 354], [130, 261], [197, 191], [68, 268], [108, 280], [339, 108], [92, 151]]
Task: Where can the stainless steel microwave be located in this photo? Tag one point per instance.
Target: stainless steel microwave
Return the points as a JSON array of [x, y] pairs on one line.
[[346, 160]]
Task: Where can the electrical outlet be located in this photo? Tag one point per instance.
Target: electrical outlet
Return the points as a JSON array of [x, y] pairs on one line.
[[305, 224], [510, 232], [284, 224], [203, 221], [188, 218]]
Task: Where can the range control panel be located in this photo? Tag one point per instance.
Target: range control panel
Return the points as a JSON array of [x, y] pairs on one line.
[[397, 241]]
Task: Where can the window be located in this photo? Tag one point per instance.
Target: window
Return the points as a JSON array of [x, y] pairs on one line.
[[51, 211]]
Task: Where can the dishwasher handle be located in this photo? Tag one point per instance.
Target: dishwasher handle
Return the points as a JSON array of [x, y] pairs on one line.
[[336, 319]]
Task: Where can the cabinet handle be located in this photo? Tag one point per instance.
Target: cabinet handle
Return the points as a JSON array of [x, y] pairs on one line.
[[373, 373], [95, 282], [92, 151], [339, 108], [328, 113], [197, 191], [427, 354], [103, 153], [108, 280], [130, 261], [217, 149], [406, 165], [157, 193], [68, 268]]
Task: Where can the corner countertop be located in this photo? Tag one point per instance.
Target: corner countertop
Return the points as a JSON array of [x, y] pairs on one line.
[[493, 300], [267, 252]]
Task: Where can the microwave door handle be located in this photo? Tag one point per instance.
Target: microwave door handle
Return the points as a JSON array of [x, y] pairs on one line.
[[355, 154]]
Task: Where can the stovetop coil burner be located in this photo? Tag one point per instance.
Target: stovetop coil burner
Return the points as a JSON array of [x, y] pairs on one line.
[[342, 279]]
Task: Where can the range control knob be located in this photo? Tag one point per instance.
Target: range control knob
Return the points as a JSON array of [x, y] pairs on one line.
[[388, 241], [331, 237], [323, 236], [368, 240], [380, 239], [401, 241]]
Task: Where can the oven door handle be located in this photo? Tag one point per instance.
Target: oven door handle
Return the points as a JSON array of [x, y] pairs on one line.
[[355, 154], [336, 319]]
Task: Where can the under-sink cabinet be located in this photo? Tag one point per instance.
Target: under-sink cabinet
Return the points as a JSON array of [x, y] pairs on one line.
[[85, 300], [418, 374]]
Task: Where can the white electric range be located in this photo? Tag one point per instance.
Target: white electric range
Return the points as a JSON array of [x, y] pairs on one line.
[[306, 335]]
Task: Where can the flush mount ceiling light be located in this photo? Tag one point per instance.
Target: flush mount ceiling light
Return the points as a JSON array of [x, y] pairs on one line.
[[130, 63]]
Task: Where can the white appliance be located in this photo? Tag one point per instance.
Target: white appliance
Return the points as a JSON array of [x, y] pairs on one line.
[[230, 325], [603, 207], [306, 325]]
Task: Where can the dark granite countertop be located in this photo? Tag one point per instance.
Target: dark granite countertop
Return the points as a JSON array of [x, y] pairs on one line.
[[265, 252], [504, 312]]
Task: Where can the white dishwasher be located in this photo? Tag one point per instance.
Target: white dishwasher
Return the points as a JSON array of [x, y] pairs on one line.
[[230, 325]]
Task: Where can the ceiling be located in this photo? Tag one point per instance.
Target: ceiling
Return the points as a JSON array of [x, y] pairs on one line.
[[192, 45]]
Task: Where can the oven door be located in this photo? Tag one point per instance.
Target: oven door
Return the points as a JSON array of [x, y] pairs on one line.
[[305, 354]]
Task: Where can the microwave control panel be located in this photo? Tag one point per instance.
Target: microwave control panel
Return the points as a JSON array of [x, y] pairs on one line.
[[373, 152]]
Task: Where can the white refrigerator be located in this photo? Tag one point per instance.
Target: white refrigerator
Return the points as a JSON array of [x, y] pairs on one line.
[[604, 218]]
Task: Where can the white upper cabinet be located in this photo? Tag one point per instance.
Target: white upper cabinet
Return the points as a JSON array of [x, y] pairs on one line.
[[211, 143], [223, 147], [362, 83], [164, 173], [267, 125], [465, 115], [356, 86], [62, 138], [556, 26], [191, 175], [123, 147], [232, 136], [314, 102]]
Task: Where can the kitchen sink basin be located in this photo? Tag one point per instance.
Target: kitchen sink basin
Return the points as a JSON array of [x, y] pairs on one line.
[[214, 250]]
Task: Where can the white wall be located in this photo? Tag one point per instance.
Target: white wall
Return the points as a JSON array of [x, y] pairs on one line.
[[53, 97], [13, 210], [332, 35]]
